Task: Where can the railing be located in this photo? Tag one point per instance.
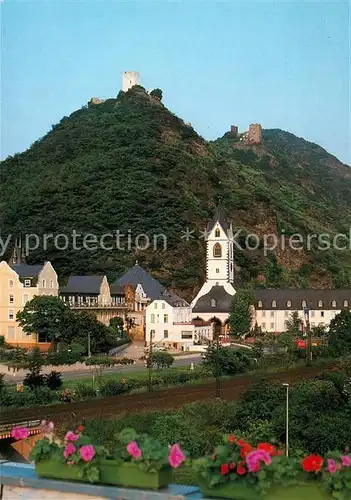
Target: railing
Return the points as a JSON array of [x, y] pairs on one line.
[[97, 306], [19, 480], [32, 425]]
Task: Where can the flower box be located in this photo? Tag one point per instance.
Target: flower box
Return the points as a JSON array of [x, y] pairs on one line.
[[236, 491], [126, 474]]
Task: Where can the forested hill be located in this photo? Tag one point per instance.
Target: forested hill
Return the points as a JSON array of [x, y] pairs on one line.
[[129, 164]]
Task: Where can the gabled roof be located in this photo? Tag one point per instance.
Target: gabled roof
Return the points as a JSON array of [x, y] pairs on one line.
[[116, 289], [173, 299], [26, 271], [83, 284], [137, 275], [223, 301], [297, 296], [219, 217]]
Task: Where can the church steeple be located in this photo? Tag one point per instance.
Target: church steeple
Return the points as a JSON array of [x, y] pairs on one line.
[[18, 254], [220, 249]]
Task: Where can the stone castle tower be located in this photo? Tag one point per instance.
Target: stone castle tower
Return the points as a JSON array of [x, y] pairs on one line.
[[129, 79], [254, 135]]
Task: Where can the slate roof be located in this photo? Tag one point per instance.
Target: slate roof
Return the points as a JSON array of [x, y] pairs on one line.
[[26, 271], [296, 296], [116, 289], [137, 275], [83, 285], [220, 217], [173, 299], [220, 295]]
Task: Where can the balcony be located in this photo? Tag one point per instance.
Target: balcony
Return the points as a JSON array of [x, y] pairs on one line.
[[18, 481], [96, 305]]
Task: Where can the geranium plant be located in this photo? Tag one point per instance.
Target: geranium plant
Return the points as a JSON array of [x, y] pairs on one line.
[[75, 449], [147, 452]]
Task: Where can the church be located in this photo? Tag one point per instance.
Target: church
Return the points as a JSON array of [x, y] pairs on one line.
[[271, 308]]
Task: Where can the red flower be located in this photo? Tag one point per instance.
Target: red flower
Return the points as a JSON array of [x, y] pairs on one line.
[[80, 428], [267, 447], [231, 439], [312, 463], [241, 442], [224, 469], [232, 465], [245, 450], [240, 469]]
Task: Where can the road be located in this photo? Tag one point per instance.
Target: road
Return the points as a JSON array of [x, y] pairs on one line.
[[76, 374]]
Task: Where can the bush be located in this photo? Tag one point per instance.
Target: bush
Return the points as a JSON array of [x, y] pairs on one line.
[[2, 381], [225, 361], [2, 341], [84, 391], [162, 359], [113, 388], [53, 380], [34, 380], [68, 396]]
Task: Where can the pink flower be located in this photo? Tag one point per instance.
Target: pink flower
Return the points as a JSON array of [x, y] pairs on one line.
[[134, 450], [176, 456], [87, 452], [69, 450], [346, 460], [20, 433], [71, 436], [254, 458], [47, 427], [331, 466]]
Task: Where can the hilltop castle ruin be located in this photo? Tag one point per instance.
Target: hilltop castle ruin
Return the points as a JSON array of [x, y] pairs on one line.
[[252, 136]]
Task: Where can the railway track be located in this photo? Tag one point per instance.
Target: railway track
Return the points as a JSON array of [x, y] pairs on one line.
[[161, 399]]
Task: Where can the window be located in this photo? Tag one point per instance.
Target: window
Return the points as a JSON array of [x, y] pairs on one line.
[[25, 299], [10, 283], [213, 303], [320, 303], [286, 324], [312, 314], [165, 318], [11, 316], [157, 318], [286, 313], [217, 233], [165, 334], [334, 303], [155, 305], [272, 326], [186, 335], [10, 332], [163, 305], [217, 250], [152, 333], [288, 304], [260, 303], [272, 314], [274, 303], [152, 318], [322, 314], [263, 314], [44, 283], [27, 282], [346, 303], [263, 326], [11, 298], [304, 304], [217, 270], [52, 284]]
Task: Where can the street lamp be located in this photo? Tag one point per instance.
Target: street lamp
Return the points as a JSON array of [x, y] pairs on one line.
[[286, 385]]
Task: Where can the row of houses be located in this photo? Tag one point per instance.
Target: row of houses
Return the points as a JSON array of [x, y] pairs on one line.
[[159, 315]]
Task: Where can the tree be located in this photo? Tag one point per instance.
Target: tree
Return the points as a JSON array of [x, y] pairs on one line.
[[157, 94], [162, 359], [240, 318], [45, 316], [225, 361], [340, 333], [293, 324], [116, 324]]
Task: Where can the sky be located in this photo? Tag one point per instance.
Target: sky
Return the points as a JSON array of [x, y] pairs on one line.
[[282, 64]]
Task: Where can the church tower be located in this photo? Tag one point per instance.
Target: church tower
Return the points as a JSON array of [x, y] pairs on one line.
[[218, 287]]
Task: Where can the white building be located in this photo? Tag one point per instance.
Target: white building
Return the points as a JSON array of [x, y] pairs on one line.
[[169, 322], [129, 79], [272, 307]]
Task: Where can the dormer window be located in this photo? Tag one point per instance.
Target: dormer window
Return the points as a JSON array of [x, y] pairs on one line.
[[260, 303], [334, 303], [304, 304], [346, 303], [217, 250], [213, 303], [217, 233], [27, 282], [320, 303], [288, 304], [274, 303]]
